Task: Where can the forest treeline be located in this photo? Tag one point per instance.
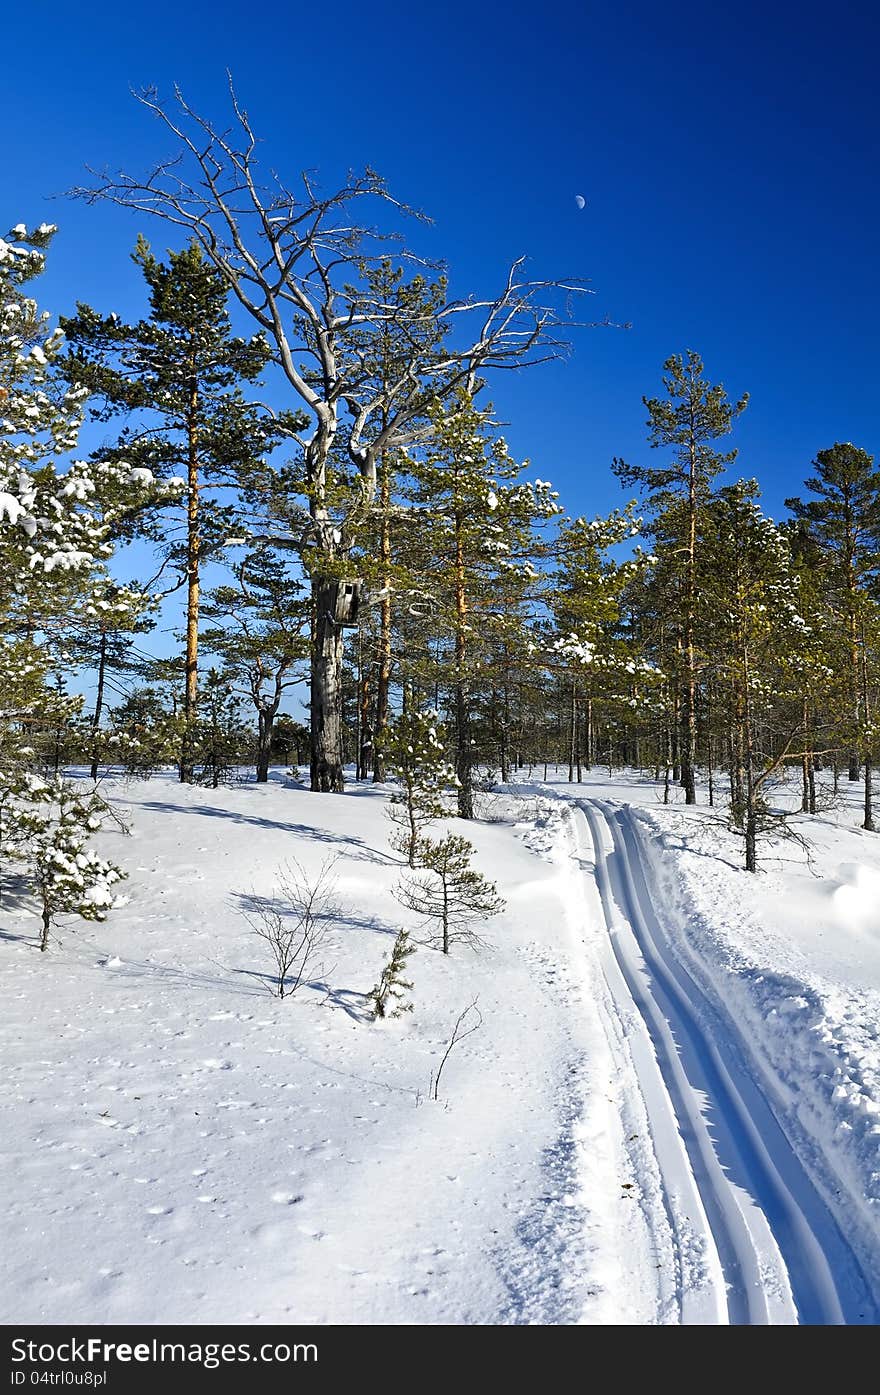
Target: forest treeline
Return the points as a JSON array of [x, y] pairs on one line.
[[329, 504]]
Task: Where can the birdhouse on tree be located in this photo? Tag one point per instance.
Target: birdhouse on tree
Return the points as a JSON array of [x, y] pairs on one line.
[[346, 602]]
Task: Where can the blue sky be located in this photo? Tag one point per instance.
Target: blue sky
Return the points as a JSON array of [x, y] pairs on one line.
[[729, 157]]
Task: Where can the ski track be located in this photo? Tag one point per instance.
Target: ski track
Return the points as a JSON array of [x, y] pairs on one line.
[[734, 1187]]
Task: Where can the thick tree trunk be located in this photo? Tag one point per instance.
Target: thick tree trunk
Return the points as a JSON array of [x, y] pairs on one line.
[[326, 694], [265, 725], [463, 758]]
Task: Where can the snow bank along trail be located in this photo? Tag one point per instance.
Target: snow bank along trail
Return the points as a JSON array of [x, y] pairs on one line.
[[772, 1252]]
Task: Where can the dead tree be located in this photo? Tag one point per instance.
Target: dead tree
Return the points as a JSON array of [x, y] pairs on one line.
[[300, 262]]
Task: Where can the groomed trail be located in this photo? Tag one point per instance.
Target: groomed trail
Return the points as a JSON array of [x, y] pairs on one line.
[[736, 1195]]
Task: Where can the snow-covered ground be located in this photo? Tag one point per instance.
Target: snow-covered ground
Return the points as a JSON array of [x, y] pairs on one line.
[[178, 1145]]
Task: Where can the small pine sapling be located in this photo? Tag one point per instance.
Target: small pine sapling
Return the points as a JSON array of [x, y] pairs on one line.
[[448, 892], [413, 750], [388, 996], [56, 822]]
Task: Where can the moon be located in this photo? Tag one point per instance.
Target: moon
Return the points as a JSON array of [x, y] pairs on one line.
[[580, 200]]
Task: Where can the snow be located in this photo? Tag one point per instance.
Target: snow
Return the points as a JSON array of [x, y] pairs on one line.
[[10, 507], [794, 957], [179, 1145]]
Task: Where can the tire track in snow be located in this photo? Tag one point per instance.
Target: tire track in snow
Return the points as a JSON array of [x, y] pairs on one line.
[[782, 1257]]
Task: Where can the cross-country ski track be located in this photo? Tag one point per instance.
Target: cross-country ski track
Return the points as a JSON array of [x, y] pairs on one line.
[[734, 1189]]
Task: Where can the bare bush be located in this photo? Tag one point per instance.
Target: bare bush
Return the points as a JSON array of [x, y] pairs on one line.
[[294, 922], [465, 1026]]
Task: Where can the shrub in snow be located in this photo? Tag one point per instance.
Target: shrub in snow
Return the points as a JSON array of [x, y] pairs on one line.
[[45, 829], [388, 996], [293, 923], [448, 892], [465, 1026]]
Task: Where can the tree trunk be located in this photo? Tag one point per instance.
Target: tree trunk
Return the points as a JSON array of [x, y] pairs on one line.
[[869, 762], [326, 694], [689, 725], [365, 738], [667, 742], [193, 548], [383, 669], [99, 705], [590, 743], [464, 754], [751, 787], [265, 724], [463, 758], [710, 746]]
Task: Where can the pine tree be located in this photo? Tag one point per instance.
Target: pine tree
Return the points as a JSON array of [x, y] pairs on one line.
[[413, 750], [99, 636], [299, 261], [179, 378], [844, 520], [693, 415], [57, 528], [414, 320], [46, 827], [218, 739], [448, 892], [749, 595], [589, 642], [475, 518], [388, 998], [262, 640]]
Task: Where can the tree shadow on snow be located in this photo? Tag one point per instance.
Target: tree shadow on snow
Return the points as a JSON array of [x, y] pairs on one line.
[[357, 849]]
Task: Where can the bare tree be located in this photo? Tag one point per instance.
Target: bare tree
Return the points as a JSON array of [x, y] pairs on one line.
[[300, 263], [294, 921], [459, 1032]]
